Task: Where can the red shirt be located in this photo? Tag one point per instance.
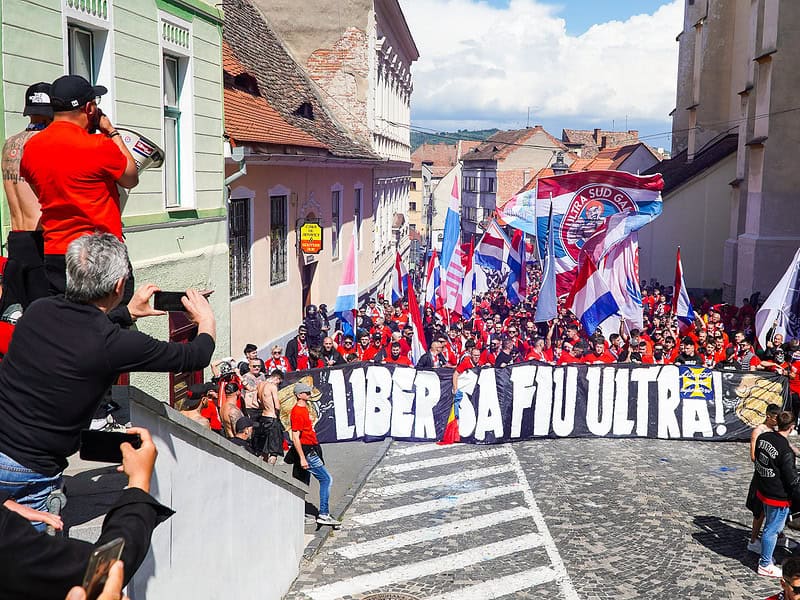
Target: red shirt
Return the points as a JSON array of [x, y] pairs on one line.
[[593, 359], [301, 421], [794, 382], [466, 365], [401, 360], [210, 413], [74, 174], [282, 364], [370, 352], [567, 359]]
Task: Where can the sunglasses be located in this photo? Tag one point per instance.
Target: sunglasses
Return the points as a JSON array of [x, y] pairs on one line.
[[276, 353], [794, 588]]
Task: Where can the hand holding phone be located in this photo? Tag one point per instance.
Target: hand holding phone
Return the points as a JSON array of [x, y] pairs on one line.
[[104, 446], [99, 569]]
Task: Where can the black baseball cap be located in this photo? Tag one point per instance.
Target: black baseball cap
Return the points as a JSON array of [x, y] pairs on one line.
[[37, 100], [73, 91], [243, 423], [198, 390]]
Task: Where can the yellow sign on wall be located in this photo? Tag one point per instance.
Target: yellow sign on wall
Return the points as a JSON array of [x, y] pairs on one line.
[[311, 238]]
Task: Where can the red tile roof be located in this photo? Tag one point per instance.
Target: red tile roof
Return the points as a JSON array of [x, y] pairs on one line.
[[283, 83], [442, 158], [591, 140], [503, 143], [250, 118]]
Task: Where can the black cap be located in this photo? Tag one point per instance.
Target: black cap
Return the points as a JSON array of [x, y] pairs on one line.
[[73, 91], [198, 390], [37, 100], [243, 423]]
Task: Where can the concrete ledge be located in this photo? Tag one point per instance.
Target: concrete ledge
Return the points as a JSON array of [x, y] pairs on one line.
[[207, 440]]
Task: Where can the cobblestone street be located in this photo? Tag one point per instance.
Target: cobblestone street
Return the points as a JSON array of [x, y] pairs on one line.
[[572, 518]]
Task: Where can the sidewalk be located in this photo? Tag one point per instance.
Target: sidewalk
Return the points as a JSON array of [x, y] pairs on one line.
[[349, 463]]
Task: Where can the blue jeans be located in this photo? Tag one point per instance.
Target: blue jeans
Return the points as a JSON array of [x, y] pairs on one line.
[[320, 473], [774, 520], [27, 486]]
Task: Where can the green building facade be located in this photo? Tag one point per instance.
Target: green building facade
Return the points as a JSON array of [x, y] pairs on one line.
[[161, 62]]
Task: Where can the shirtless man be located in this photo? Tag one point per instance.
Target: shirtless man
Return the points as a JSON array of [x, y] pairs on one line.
[[196, 402], [753, 503], [271, 431], [24, 277], [229, 411]]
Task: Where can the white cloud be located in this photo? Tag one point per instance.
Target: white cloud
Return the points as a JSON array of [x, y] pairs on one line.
[[483, 63]]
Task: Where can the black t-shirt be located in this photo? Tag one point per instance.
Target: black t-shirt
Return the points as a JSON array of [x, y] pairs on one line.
[[685, 359], [503, 359], [62, 359]]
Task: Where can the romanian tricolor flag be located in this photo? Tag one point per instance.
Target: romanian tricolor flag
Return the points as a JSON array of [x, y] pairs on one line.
[[450, 435]]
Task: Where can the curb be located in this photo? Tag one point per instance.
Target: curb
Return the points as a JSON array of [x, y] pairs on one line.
[[322, 533]]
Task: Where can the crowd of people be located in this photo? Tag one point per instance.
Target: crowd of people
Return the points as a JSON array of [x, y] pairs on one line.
[[498, 334]]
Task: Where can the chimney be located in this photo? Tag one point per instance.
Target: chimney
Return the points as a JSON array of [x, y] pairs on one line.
[[596, 136], [604, 143]]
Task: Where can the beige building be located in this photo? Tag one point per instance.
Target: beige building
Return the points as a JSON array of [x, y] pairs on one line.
[[499, 167], [292, 161], [737, 74], [359, 55]]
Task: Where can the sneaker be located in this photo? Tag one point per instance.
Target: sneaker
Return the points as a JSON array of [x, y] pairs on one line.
[[754, 547], [328, 520], [771, 570]]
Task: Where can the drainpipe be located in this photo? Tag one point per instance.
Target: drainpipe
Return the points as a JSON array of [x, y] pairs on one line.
[[236, 154]]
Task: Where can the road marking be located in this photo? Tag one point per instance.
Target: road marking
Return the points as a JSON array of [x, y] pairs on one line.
[[443, 481], [422, 448], [450, 562], [446, 503], [427, 534], [502, 586], [445, 460], [564, 582]]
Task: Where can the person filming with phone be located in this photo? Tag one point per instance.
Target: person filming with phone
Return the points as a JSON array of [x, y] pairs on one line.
[[46, 567], [75, 174], [78, 353]]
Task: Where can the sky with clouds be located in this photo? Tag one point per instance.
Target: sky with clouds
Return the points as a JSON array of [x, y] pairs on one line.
[[575, 64]]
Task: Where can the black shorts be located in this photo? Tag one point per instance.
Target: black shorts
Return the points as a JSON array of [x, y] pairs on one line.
[[272, 432], [24, 276], [754, 505]]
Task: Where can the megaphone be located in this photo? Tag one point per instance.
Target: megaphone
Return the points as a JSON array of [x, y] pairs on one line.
[[146, 153]]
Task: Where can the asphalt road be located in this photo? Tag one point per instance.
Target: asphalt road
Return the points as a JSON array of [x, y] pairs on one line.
[[573, 518]]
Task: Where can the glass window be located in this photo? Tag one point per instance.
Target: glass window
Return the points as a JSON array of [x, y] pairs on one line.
[[239, 247], [357, 215], [172, 124], [81, 53], [278, 241], [336, 200], [412, 206]]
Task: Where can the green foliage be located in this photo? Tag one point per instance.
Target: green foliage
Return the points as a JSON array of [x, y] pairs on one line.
[[444, 137]]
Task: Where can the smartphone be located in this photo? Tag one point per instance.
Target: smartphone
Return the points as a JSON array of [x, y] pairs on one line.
[[103, 446], [169, 301], [100, 562]]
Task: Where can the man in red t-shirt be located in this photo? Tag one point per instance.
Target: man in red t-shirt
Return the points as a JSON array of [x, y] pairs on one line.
[[396, 356], [469, 362], [75, 174], [598, 354], [309, 452]]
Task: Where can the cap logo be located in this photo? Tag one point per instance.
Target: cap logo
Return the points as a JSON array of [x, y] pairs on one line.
[[74, 103], [39, 98]]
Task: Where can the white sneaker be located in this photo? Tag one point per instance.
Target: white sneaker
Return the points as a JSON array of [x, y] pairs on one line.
[[328, 520], [771, 570], [754, 547]]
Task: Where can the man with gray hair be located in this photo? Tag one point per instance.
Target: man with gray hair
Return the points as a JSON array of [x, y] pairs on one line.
[[83, 352]]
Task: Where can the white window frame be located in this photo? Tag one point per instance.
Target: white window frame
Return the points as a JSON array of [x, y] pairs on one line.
[[102, 31], [186, 142]]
